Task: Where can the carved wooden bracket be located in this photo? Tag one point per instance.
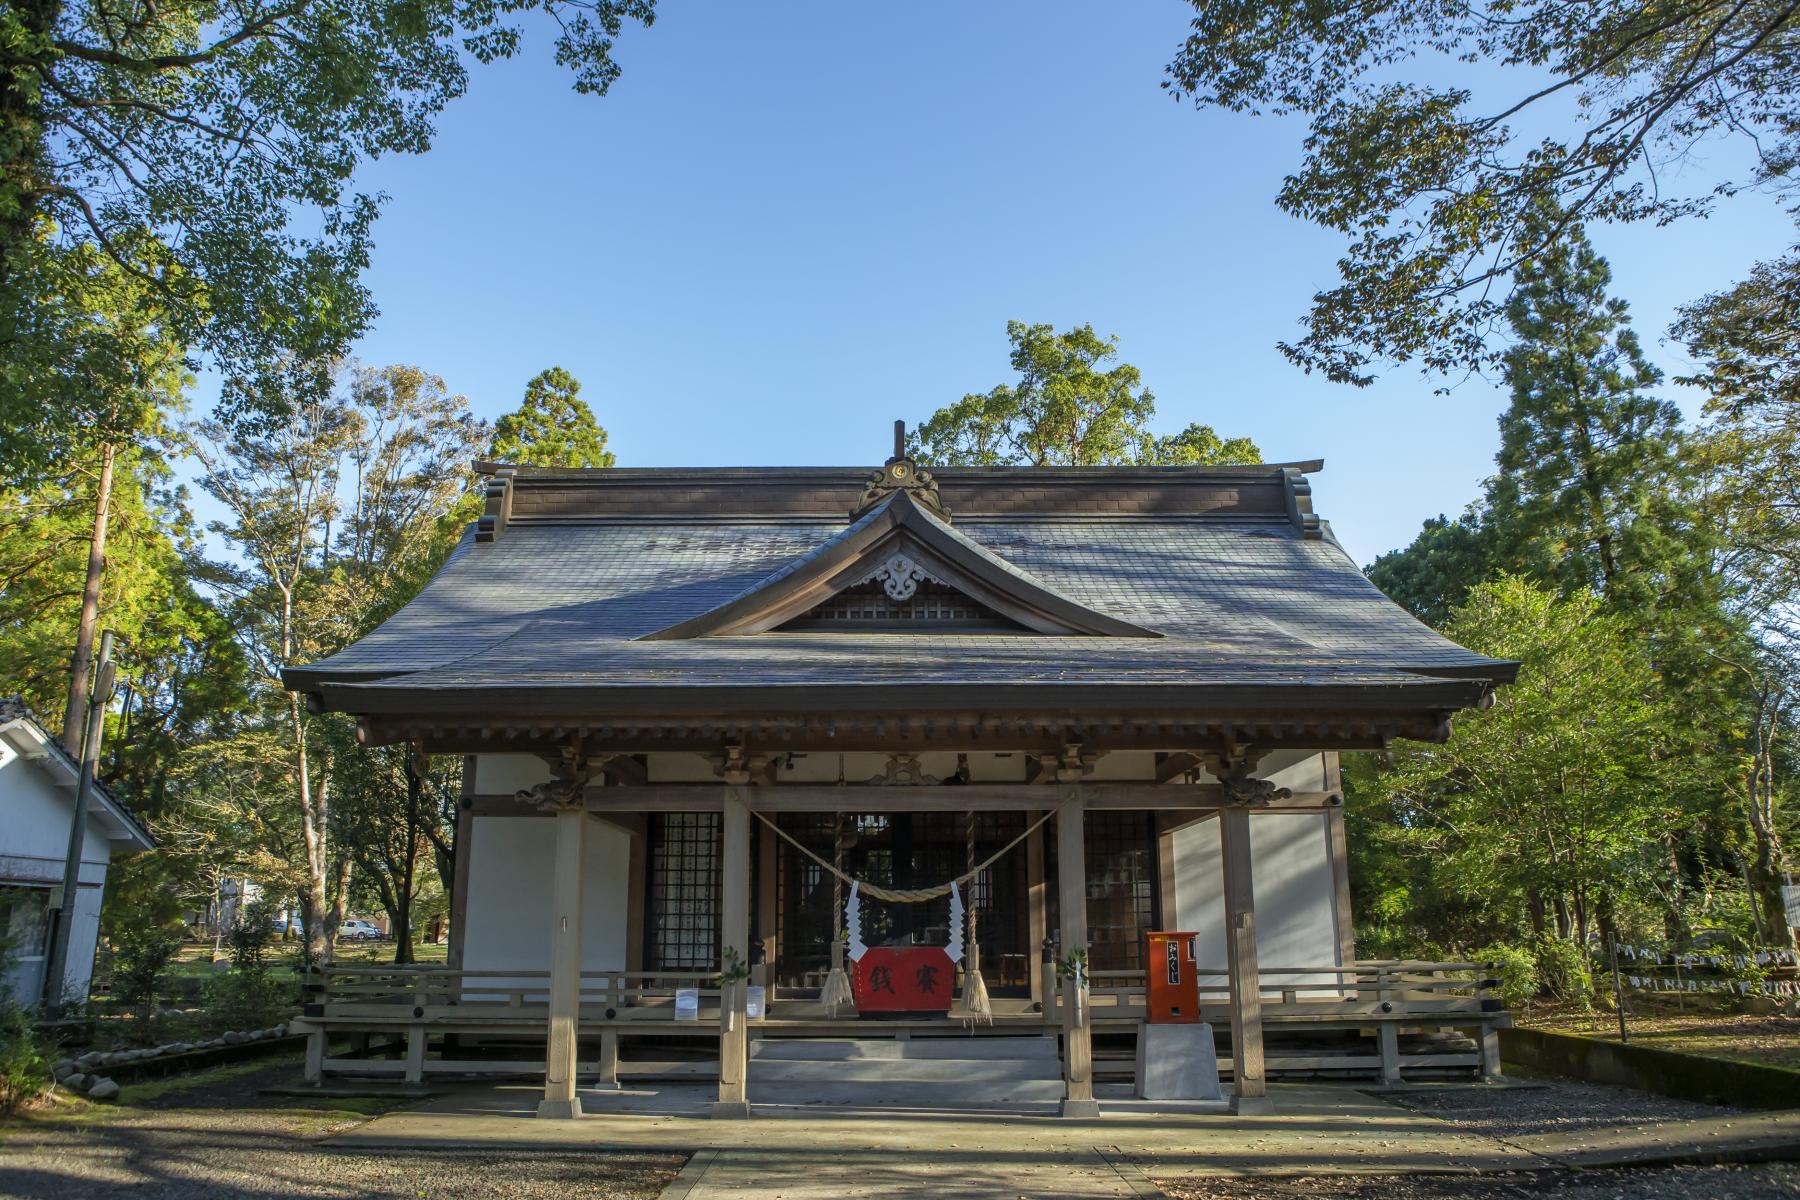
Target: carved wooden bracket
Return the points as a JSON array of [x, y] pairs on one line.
[[1072, 765], [570, 772], [734, 766], [900, 474], [1234, 768], [903, 770]]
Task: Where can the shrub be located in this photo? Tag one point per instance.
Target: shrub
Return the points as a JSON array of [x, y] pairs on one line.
[[248, 995], [24, 1059], [140, 955], [1518, 973], [1563, 971]]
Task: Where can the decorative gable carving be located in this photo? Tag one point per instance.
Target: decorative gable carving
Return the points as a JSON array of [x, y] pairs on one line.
[[902, 546]]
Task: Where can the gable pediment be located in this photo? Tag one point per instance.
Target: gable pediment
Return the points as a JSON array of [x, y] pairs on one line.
[[900, 550]]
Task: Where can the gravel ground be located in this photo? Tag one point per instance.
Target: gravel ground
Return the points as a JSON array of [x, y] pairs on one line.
[[1713, 1183], [227, 1141], [1552, 1107], [1516, 1111]]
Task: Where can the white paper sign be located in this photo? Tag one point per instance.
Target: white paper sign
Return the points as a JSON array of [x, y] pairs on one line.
[[687, 1004], [753, 1002]]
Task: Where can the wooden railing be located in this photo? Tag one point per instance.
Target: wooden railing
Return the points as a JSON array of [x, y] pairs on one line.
[[1373, 990], [643, 995]]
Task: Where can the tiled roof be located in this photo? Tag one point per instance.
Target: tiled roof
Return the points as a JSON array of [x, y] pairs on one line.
[[1240, 599]]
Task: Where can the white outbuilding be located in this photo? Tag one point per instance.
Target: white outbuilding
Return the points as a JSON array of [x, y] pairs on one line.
[[37, 801]]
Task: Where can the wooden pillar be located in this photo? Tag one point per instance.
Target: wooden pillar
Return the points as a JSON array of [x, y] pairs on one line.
[[636, 891], [734, 941], [1167, 905], [1240, 953], [1037, 902], [768, 898], [570, 831], [1340, 861], [1071, 905], [463, 848]]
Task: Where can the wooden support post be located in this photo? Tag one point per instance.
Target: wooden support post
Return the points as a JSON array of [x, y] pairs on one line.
[[560, 1099], [1078, 1027], [1340, 862], [1490, 1052], [1241, 963], [636, 890], [1166, 903], [463, 847], [315, 1055], [1387, 1039], [416, 1042], [768, 899], [734, 936], [1037, 916], [609, 1060]]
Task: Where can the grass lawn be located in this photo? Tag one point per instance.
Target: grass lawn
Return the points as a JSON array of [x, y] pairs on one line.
[[1764, 1040], [217, 1134], [195, 959]]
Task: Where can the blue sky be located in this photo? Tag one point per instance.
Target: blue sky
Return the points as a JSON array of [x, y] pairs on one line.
[[790, 224]]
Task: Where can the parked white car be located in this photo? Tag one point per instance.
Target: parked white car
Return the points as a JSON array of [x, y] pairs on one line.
[[355, 930]]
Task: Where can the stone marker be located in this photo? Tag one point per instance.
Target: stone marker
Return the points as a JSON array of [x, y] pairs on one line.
[[1178, 1062]]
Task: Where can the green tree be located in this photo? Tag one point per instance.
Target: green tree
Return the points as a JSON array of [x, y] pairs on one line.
[[337, 516], [1547, 807], [209, 150], [392, 811], [1437, 186], [1433, 575], [1068, 408], [552, 427]]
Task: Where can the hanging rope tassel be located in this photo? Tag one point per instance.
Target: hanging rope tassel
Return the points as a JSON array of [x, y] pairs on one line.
[[836, 994], [975, 993]]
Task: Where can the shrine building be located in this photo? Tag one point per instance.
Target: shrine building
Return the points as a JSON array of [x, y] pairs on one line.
[[1024, 715]]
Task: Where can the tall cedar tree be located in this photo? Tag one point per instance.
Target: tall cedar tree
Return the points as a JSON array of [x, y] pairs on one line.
[[553, 427]]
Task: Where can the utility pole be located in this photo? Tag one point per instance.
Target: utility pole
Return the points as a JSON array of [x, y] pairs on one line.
[[104, 684]]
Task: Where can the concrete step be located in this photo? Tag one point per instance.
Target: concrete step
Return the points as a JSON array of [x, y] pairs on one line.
[[961, 1049], [1018, 1073], [947, 1072]]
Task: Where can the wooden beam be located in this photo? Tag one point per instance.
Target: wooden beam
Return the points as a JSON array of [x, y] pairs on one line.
[[1071, 887], [560, 1099], [987, 797], [637, 890], [734, 941], [1241, 964], [1167, 901]]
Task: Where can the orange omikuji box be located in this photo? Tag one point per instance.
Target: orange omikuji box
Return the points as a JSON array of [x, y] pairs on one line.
[[1173, 997]]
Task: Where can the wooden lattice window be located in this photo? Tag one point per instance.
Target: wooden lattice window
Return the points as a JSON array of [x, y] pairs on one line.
[[684, 892], [871, 606]]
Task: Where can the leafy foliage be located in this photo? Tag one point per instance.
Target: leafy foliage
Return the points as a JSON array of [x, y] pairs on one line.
[[24, 1059], [207, 150], [553, 427], [1438, 188], [141, 953], [1066, 410]]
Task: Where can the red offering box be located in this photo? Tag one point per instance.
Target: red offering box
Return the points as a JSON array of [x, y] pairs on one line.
[[903, 979]]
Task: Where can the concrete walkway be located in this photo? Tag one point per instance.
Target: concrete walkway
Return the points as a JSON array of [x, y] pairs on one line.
[[806, 1153]]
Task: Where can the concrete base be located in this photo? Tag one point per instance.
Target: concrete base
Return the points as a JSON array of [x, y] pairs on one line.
[[1177, 1062], [566, 1110], [1252, 1106], [731, 1110], [1079, 1108]]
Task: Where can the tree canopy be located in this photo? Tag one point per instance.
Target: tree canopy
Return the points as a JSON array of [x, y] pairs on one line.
[[207, 151], [552, 427], [1068, 408], [1437, 185]]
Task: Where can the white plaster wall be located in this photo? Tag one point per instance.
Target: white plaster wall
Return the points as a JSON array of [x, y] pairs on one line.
[[504, 774], [1294, 886], [511, 889]]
